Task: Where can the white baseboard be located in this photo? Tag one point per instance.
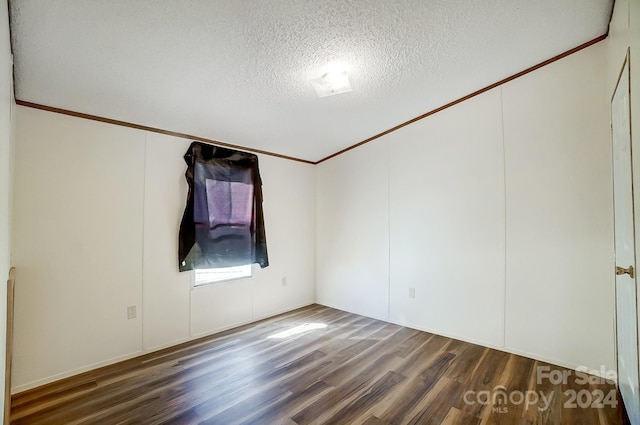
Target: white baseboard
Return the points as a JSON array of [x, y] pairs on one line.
[[49, 379], [253, 320], [534, 356], [511, 350], [77, 371]]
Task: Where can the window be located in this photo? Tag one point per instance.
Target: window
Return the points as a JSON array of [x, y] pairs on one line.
[[205, 276], [223, 224]]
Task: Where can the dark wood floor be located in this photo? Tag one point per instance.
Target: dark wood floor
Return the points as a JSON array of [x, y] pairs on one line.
[[355, 371]]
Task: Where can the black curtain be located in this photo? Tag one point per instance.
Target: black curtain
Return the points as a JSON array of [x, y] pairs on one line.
[[223, 224]]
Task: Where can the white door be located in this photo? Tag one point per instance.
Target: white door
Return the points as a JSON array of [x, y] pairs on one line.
[[626, 293]]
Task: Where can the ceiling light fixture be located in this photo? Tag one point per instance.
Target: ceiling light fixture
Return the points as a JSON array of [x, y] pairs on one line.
[[332, 83]]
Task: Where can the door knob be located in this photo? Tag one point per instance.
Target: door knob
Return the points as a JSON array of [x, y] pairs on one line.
[[622, 270]]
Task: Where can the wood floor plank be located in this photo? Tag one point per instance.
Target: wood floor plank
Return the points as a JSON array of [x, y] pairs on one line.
[[424, 355], [458, 417], [408, 398], [286, 407], [463, 367], [349, 414], [439, 403], [578, 402], [354, 371], [485, 377], [513, 381], [372, 420], [239, 411], [346, 392], [548, 408]]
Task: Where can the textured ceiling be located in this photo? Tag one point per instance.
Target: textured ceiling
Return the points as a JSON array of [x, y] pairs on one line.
[[238, 71]]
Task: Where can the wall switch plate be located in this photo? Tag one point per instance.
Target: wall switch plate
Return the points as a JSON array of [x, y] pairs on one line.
[[131, 312], [284, 281], [412, 292]]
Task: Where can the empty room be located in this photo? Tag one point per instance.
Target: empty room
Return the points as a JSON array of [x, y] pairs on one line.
[[297, 212]]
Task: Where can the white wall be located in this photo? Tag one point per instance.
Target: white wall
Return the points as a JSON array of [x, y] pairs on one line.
[[447, 222], [560, 287], [6, 103], [352, 238], [78, 209], [165, 293], [487, 201], [96, 217]]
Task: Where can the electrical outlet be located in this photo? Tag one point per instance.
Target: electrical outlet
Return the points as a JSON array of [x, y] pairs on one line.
[[131, 312], [284, 281], [412, 292]]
